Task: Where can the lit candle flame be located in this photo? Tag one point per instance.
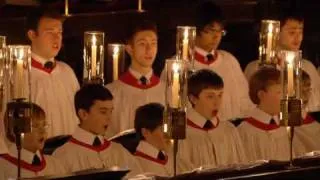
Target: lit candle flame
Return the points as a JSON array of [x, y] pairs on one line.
[[270, 28], [175, 67], [94, 40]]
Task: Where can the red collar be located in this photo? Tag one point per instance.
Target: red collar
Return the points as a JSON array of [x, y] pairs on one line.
[[24, 164], [38, 65], [145, 156], [308, 119], [129, 79], [202, 59], [261, 125], [103, 146], [192, 124]]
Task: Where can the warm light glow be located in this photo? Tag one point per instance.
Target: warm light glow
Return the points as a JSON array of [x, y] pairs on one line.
[[116, 50], [165, 127], [270, 28], [186, 33], [94, 40], [290, 57], [175, 67]]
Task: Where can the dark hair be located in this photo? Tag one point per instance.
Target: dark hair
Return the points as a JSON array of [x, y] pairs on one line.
[[141, 26], [203, 79], [261, 80], [290, 13], [207, 13], [37, 113], [33, 19], [148, 116], [88, 94]]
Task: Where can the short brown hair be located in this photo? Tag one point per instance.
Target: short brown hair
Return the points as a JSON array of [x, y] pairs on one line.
[[261, 80], [142, 26], [203, 79], [33, 19], [37, 113]]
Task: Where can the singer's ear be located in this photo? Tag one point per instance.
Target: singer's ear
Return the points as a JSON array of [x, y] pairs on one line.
[[145, 132], [260, 95], [83, 114], [192, 99]]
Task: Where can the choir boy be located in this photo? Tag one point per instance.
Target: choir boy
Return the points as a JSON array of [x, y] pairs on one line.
[[210, 140]]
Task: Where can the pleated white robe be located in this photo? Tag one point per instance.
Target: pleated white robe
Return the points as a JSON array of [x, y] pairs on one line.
[[79, 154], [129, 94], [308, 133], [147, 154], [49, 166], [263, 140], [54, 91], [214, 147], [309, 68]]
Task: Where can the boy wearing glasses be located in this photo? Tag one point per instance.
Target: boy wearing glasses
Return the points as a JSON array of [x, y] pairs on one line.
[[210, 29], [33, 162]]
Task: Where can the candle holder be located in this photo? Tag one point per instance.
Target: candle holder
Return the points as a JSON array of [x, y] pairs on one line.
[[291, 103], [185, 42], [3, 56], [116, 60], [269, 36], [174, 125], [93, 56], [19, 66]]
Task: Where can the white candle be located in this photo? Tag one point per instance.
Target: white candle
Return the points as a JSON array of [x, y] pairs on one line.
[[269, 44], [115, 61], [66, 8], [19, 78], [290, 89], [94, 56], [139, 5], [175, 85], [185, 44]]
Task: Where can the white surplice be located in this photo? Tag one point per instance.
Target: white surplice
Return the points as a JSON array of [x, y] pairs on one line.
[[309, 68], [54, 91], [263, 140], [218, 146], [308, 134], [79, 154], [49, 166], [147, 155], [128, 94]]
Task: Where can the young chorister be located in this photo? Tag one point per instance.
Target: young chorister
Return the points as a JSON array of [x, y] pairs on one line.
[[290, 38], [262, 135], [154, 151], [88, 148], [210, 31], [210, 140], [138, 85], [33, 162], [53, 82], [308, 133]]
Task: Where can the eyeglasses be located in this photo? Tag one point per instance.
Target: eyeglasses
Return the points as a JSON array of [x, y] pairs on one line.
[[212, 31]]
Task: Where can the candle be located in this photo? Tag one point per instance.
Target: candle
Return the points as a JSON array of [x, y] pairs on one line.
[[290, 89], [93, 56], [19, 77], [66, 8], [139, 5], [175, 85], [269, 44], [115, 64], [185, 44]]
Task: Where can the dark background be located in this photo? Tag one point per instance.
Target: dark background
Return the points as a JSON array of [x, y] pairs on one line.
[[114, 17]]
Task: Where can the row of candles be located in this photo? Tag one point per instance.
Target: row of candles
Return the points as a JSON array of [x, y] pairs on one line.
[[19, 57]]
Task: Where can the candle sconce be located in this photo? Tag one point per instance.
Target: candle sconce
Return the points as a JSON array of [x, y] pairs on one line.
[[174, 125], [116, 60], [185, 42], [291, 103], [269, 36], [19, 66], [93, 56]]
